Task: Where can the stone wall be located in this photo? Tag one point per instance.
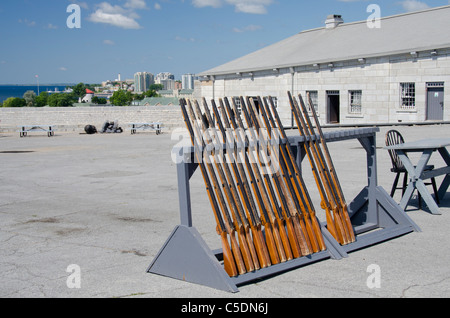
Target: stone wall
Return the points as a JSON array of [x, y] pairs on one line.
[[76, 118]]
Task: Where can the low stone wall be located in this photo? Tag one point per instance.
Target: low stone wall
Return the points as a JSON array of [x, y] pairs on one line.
[[76, 118]]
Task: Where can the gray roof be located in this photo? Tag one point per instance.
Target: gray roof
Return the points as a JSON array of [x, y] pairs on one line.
[[416, 31]]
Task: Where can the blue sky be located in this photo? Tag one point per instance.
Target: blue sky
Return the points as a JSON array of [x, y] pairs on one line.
[[177, 36]]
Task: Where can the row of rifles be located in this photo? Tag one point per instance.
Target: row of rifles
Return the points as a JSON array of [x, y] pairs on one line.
[[264, 213]]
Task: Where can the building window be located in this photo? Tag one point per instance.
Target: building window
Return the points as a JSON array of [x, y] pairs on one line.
[[314, 97], [237, 102], [355, 98], [275, 102], [408, 95]]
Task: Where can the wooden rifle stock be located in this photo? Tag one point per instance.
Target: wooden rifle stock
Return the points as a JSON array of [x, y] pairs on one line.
[[296, 228], [227, 218], [334, 177], [272, 235], [333, 228], [301, 192], [296, 202], [223, 231], [244, 189], [272, 195], [324, 173], [240, 222], [279, 232]]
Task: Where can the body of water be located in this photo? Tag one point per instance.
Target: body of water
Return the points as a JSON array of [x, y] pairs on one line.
[[7, 91]]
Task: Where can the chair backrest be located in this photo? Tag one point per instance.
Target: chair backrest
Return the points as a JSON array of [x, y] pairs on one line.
[[393, 137]]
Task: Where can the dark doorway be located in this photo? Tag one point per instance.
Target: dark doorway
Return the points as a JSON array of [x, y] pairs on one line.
[[435, 101], [333, 107]]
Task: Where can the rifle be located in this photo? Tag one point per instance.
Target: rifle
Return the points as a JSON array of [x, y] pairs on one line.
[[272, 195], [307, 207], [272, 231], [241, 223], [276, 222], [333, 224], [324, 173], [224, 230], [332, 170], [295, 226], [244, 188], [258, 254], [296, 202]]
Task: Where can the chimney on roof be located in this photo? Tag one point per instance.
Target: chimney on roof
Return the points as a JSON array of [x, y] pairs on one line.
[[333, 21]]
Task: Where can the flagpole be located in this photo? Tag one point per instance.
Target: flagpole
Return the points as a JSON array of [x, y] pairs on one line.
[[37, 77]]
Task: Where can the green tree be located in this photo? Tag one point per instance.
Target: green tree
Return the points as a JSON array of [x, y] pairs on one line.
[[14, 102], [102, 101], [156, 87], [42, 99], [60, 100], [151, 93], [79, 90], [95, 100], [121, 98], [99, 101], [30, 98]]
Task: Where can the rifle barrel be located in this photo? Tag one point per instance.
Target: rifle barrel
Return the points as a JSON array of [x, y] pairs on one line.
[[334, 176], [333, 224], [229, 261]]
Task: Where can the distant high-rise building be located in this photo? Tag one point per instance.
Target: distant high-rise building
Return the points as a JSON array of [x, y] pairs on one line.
[[187, 81], [164, 77], [142, 81], [168, 84]]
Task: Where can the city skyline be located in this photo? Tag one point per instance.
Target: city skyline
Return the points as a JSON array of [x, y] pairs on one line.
[[177, 36]]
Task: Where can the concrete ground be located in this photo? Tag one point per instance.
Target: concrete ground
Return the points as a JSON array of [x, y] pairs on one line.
[[107, 204]]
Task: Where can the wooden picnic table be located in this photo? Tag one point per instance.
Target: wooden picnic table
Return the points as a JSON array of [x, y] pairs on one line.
[[417, 172], [146, 126], [25, 129]]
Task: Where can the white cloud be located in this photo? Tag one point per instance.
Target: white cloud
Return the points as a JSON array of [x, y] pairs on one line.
[[414, 5], [63, 69], [250, 6], [249, 28], [51, 27], [83, 5], [207, 3], [157, 6], [135, 4], [108, 42], [181, 39], [122, 17], [245, 6], [28, 22], [118, 20]]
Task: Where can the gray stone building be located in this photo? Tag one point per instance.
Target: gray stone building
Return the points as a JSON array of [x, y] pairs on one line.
[[355, 73]]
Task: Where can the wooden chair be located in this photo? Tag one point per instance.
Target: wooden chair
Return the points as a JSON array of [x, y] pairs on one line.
[[393, 137]]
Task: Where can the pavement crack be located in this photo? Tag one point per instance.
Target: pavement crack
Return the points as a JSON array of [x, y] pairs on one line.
[[423, 285]]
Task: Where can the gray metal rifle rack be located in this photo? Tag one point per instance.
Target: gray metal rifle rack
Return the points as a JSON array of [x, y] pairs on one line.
[[376, 217]]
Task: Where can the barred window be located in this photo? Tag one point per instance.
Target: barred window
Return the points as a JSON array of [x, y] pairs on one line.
[[408, 95], [314, 97], [355, 98], [275, 102], [237, 102]]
